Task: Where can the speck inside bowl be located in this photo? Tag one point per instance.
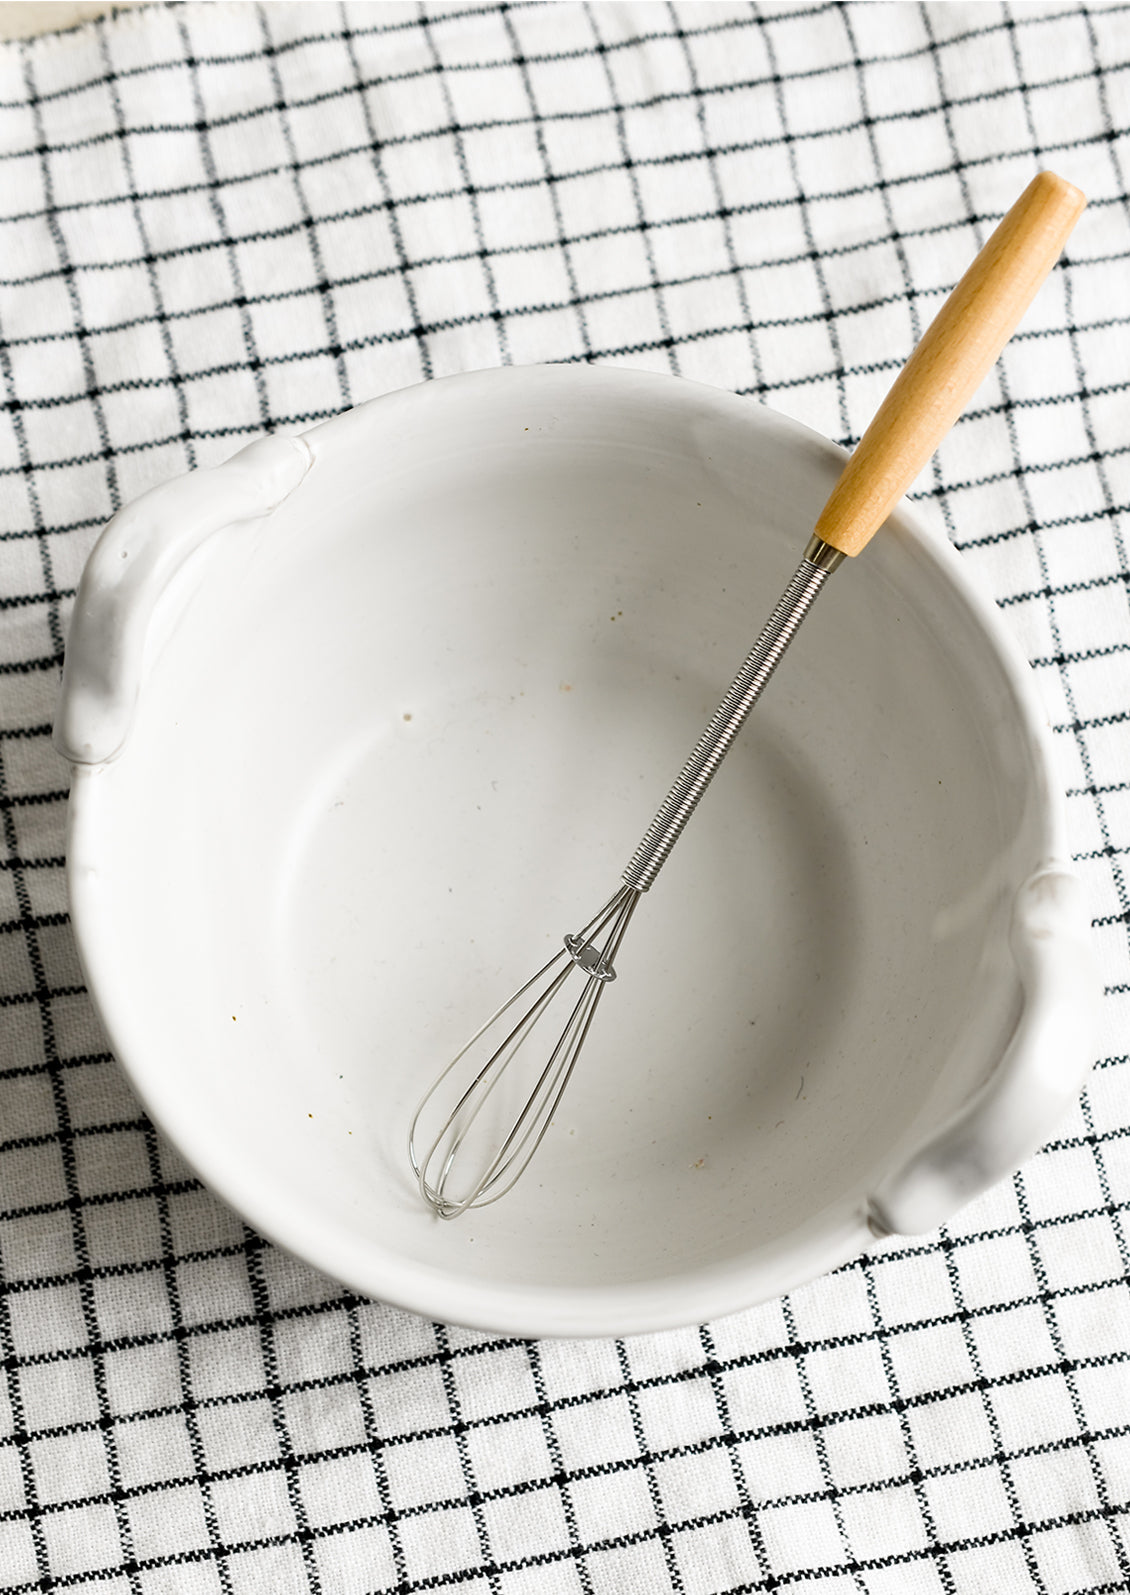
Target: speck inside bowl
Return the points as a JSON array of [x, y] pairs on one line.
[[397, 737]]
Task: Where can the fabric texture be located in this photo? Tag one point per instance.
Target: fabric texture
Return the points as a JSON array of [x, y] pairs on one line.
[[225, 219]]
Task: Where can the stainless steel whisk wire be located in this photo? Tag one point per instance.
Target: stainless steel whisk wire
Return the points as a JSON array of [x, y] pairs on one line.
[[593, 949]]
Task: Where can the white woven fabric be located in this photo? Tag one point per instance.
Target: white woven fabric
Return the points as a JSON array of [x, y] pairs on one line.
[[224, 219]]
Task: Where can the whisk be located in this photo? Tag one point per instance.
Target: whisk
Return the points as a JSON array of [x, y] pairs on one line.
[[475, 1149]]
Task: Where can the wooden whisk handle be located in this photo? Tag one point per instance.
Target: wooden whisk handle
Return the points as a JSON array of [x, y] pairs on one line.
[[953, 357]]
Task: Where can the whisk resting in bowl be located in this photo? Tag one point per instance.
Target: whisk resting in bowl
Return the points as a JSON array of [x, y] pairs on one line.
[[475, 1148]]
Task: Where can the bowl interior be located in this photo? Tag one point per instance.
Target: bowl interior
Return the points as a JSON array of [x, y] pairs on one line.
[[398, 738]]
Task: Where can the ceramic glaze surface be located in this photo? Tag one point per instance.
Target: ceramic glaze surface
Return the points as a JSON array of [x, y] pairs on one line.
[[397, 737]]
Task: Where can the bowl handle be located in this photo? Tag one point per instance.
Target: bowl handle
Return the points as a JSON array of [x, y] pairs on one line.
[[134, 559], [1042, 1071]]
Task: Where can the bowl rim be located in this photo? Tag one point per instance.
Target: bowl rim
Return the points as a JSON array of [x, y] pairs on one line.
[[424, 1288]]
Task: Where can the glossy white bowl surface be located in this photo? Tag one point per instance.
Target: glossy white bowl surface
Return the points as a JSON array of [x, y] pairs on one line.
[[398, 736]]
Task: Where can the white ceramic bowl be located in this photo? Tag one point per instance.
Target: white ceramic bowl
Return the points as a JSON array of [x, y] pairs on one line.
[[345, 775]]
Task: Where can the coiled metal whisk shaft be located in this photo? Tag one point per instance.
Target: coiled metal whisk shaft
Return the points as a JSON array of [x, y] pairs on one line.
[[472, 1158]]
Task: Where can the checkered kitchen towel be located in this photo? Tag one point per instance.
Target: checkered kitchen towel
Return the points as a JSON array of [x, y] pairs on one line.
[[220, 219]]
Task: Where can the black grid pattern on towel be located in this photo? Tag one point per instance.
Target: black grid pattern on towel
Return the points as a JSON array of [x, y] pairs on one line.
[[217, 220]]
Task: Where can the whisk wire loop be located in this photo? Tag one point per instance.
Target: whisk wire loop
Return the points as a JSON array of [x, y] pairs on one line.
[[591, 953]]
